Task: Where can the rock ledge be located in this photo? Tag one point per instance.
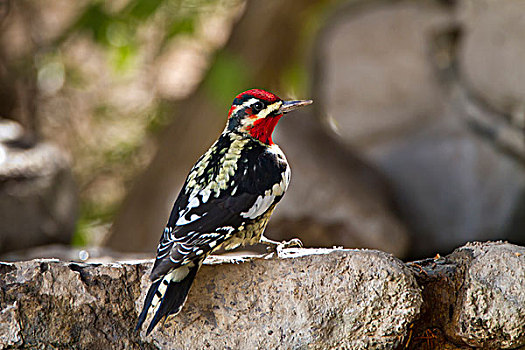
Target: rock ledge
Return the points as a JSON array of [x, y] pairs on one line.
[[307, 298], [303, 299]]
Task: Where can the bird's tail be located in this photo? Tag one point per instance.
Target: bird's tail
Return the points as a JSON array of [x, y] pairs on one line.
[[167, 295]]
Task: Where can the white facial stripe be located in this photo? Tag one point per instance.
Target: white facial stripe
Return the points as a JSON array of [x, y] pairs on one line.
[[248, 122], [244, 105], [270, 109], [250, 102]]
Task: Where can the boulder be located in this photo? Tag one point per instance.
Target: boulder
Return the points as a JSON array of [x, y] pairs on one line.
[[306, 298], [383, 87], [474, 297], [302, 299], [405, 98], [491, 55], [490, 309]]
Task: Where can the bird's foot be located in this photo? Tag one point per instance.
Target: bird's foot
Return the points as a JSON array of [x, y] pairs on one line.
[[277, 247], [293, 243]]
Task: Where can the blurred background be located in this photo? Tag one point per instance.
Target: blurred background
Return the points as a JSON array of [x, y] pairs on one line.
[[415, 143]]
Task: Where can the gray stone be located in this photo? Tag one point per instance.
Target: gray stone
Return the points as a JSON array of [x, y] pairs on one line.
[[375, 80], [37, 192], [490, 309], [452, 187], [315, 299], [474, 297], [405, 98], [490, 61], [305, 299], [492, 51], [9, 326]]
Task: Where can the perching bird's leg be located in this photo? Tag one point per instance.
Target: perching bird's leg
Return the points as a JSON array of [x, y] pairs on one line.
[[277, 247]]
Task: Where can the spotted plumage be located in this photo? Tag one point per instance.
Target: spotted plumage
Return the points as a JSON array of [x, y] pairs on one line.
[[226, 201]]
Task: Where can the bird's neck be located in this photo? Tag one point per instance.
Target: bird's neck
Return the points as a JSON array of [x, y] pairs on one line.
[[262, 129]]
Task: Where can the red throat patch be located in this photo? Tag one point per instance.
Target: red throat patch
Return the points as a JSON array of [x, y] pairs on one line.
[[262, 129]]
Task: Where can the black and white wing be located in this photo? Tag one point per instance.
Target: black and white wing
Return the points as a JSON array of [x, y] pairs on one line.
[[203, 219]]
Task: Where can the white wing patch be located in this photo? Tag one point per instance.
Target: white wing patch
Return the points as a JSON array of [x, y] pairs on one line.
[[205, 193], [263, 203], [193, 203], [182, 220], [260, 206]]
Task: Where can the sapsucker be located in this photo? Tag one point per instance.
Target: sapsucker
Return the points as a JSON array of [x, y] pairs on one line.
[[225, 202]]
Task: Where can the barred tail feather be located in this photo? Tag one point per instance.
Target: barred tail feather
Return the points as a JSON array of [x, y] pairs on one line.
[[147, 303], [167, 295]]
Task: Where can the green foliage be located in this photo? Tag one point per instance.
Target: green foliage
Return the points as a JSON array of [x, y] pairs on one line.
[[80, 235], [122, 58], [142, 9], [117, 30], [94, 20], [92, 215], [295, 79], [183, 25], [159, 117], [227, 77]]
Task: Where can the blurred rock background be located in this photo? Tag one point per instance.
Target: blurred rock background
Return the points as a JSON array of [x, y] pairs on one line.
[[415, 143]]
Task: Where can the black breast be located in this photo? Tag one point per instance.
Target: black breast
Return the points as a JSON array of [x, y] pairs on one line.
[[263, 168]]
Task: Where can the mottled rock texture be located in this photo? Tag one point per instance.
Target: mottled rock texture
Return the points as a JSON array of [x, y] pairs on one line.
[[490, 310], [305, 299], [473, 298], [315, 299]]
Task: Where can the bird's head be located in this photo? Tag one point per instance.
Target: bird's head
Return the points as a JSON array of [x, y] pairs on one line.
[[256, 113]]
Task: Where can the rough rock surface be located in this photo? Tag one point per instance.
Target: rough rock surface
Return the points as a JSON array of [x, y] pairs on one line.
[[37, 192], [314, 299], [490, 310], [474, 297], [306, 299]]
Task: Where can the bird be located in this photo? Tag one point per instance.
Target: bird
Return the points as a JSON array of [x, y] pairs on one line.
[[225, 202]]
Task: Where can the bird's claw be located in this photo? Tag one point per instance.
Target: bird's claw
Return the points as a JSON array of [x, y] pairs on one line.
[[293, 243], [278, 247]]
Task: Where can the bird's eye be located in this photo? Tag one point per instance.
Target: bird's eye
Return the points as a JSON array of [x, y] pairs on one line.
[[257, 107]]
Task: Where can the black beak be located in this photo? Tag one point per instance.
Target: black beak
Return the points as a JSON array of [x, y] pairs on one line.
[[289, 106]]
